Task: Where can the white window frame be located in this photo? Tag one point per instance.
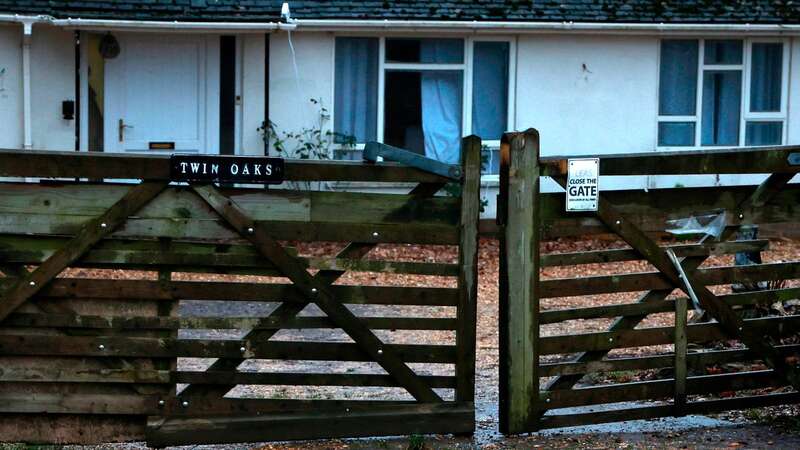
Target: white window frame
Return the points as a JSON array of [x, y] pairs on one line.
[[745, 114], [467, 80]]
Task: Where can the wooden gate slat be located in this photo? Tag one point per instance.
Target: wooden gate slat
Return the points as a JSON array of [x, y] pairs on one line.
[[317, 292]]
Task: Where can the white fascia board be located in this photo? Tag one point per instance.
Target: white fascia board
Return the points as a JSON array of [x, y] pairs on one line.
[[145, 25], [442, 26]]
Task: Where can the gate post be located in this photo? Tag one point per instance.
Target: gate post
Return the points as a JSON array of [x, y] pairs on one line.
[[518, 222], [468, 268]]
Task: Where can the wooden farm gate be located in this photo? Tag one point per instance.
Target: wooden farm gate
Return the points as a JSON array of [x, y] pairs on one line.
[[604, 367], [99, 342]]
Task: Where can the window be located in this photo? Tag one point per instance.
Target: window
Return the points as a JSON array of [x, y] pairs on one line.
[[422, 94], [722, 92]]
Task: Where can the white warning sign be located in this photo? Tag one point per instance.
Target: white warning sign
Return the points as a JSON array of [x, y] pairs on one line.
[[582, 181]]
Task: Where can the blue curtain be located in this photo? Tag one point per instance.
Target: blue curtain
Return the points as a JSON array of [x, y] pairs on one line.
[[676, 134], [763, 133], [726, 51], [441, 104], [490, 89], [765, 77], [678, 78], [356, 88], [722, 94]]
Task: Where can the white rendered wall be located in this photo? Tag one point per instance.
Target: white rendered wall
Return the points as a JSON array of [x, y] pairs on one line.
[[290, 92], [52, 81], [253, 74], [588, 94], [11, 86]]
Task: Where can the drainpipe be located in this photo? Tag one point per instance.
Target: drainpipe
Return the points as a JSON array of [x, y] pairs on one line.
[[27, 32]]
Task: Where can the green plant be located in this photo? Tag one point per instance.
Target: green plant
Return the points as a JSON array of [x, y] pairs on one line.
[[416, 442], [454, 189], [756, 415], [315, 142]]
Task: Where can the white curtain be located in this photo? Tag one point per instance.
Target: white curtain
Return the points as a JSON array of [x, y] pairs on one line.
[[441, 106]]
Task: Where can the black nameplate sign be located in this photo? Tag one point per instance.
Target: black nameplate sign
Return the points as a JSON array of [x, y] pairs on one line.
[[227, 169]]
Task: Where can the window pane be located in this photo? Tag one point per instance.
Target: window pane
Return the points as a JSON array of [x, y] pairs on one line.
[[355, 108], [423, 112], [765, 77], [676, 134], [723, 52], [490, 161], [678, 78], [722, 94], [429, 51], [490, 89], [763, 133]]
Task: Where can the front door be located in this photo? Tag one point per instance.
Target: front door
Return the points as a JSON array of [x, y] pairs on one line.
[[155, 94]]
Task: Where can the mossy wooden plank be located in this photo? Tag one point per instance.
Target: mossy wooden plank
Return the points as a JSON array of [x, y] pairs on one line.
[[78, 404], [696, 333], [238, 291], [178, 202], [93, 165], [665, 410], [212, 230], [86, 375], [401, 419], [736, 160], [681, 250], [302, 379], [634, 309], [661, 389], [114, 346], [194, 257], [28, 320], [629, 282], [697, 361], [50, 375]]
